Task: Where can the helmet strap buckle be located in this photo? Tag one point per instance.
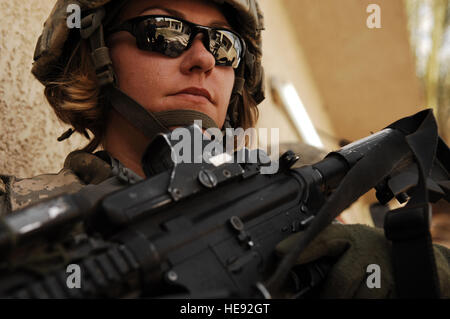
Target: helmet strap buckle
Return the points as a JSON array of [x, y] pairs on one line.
[[91, 22], [92, 29]]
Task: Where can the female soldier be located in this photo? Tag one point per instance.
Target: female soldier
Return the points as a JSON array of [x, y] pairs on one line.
[[125, 90], [138, 68]]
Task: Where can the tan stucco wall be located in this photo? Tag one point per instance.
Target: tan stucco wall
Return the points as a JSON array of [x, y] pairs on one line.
[[365, 77], [285, 60], [28, 127]]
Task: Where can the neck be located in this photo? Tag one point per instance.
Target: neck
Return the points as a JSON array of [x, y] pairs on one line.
[[125, 143]]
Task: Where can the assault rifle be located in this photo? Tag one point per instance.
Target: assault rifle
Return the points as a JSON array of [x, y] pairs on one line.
[[208, 229]]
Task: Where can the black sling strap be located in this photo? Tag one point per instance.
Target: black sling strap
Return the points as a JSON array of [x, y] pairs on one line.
[[408, 227]]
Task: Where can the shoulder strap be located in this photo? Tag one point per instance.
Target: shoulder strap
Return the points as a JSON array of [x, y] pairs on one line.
[[91, 169]]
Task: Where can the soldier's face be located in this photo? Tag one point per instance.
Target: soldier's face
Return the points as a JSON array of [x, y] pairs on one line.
[[159, 82]]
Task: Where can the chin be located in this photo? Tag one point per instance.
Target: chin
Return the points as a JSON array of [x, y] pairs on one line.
[[205, 108]]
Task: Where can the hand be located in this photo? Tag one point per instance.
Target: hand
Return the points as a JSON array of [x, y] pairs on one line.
[[354, 248]]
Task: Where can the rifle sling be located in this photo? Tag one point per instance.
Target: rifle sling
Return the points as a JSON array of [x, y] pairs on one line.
[[364, 175], [408, 228]]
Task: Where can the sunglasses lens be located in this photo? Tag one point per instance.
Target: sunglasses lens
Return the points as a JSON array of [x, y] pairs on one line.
[[163, 35], [170, 36], [226, 48]]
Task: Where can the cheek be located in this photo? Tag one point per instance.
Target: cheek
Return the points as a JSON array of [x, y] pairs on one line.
[[139, 74], [226, 87]]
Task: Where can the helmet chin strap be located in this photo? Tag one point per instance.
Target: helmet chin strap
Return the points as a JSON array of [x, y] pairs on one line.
[[232, 118], [153, 123]]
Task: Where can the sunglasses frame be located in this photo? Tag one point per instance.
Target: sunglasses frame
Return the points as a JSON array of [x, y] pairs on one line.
[[132, 25]]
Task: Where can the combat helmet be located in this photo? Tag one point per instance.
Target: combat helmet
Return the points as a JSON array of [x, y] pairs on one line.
[[52, 49]]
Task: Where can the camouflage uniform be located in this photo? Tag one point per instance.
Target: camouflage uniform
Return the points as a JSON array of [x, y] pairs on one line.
[[80, 169]]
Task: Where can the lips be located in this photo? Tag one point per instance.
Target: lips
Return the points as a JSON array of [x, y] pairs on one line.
[[196, 92]]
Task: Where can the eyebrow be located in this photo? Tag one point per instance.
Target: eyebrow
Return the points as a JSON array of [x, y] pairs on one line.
[[178, 14]]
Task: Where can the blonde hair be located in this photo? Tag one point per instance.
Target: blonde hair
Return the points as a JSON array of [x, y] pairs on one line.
[[76, 99]]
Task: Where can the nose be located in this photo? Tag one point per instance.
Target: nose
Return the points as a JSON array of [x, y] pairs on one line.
[[197, 58]]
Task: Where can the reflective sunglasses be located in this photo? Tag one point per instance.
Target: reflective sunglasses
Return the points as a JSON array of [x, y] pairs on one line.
[[172, 36]]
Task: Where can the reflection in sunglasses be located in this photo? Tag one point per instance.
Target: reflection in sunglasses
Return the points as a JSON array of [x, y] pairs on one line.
[[171, 36]]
